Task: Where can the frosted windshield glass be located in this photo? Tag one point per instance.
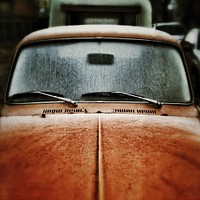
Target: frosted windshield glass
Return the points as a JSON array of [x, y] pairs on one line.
[[147, 69]]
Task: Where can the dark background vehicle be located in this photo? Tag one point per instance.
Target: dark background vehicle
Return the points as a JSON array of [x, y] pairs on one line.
[[193, 37], [173, 28]]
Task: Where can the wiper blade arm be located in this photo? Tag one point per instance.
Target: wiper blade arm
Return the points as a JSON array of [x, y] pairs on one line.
[[46, 94], [66, 100], [125, 94], [155, 102]]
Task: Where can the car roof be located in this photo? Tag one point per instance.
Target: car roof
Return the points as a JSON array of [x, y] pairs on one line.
[[109, 31]]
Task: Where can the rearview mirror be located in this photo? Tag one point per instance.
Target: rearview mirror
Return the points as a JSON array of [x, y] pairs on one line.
[[100, 59]]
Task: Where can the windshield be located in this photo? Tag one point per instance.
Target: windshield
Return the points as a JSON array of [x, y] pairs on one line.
[[76, 67]]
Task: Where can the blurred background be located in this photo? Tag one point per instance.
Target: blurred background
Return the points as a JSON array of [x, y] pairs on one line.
[[21, 17]]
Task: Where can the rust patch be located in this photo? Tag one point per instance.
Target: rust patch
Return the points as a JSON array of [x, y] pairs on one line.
[[148, 160], [143, 157], [50, 158]]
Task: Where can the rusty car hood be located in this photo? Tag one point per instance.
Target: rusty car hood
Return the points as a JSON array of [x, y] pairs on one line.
[[99, 156]]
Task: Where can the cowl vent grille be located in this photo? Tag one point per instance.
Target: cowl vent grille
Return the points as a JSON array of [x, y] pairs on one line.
[[124, 110], [74, 110]]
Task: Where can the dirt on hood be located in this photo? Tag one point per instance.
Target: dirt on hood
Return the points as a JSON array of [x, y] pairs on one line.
[[99, 156]]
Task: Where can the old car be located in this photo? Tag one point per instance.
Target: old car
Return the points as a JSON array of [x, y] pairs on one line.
[[99, 112]]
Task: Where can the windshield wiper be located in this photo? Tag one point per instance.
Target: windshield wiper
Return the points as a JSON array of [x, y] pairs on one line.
[[47, 94], [109, 94], [155, 102]]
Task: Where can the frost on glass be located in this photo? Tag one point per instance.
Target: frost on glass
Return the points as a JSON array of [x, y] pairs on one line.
[[150, 70]]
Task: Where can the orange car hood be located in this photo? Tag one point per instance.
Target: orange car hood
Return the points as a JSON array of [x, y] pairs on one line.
[[99, 156]]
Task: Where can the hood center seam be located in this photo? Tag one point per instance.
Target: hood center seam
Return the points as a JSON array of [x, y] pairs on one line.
[[100, 161]]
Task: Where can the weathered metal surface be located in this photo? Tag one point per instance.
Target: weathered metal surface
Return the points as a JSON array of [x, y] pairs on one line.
[[151, 158], [48, 158], [95, 107], [113, 31], [107, 156]]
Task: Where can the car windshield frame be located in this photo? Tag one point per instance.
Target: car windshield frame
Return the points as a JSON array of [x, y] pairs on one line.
[[144, 41]]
